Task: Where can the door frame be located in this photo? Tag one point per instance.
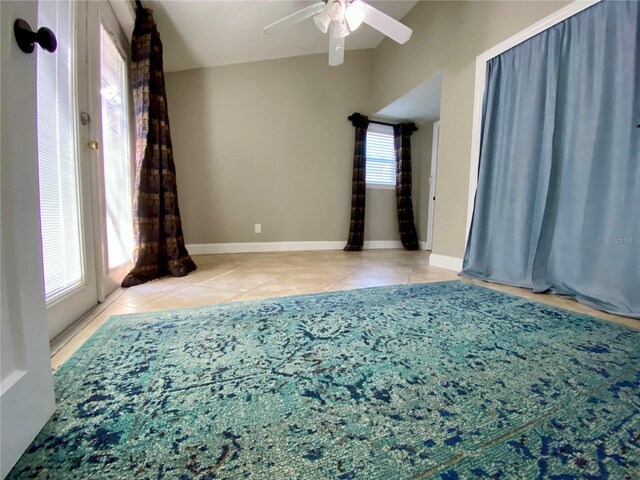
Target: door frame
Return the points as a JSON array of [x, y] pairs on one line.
[[26, 385], [432, 184], [568, 11]]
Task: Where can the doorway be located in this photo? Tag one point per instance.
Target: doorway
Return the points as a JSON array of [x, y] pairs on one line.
[[84, 158], [432, 184]]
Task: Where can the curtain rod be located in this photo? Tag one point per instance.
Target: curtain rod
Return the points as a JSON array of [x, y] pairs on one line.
[[383, 123], [353, 117], [414, 128]]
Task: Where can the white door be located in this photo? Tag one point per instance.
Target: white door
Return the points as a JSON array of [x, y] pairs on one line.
[[432, 184], [65, 157], [110, 99], [26, 386], [86, 191]]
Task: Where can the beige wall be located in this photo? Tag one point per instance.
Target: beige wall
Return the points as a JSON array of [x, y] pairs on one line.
[[447, 38], [381, 215], [269, 142]]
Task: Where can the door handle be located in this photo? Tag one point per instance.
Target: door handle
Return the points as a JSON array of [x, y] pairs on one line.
[[26, 37], [92, 145]]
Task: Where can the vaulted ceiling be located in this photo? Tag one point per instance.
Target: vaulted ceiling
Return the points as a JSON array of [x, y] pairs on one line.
[[198, 34]]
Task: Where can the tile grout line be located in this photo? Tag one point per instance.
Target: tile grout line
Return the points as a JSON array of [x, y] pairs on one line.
[[346, 276], [177, 289], [251, 289]]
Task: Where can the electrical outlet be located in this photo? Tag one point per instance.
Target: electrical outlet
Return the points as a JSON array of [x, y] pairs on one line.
[[258, 228]]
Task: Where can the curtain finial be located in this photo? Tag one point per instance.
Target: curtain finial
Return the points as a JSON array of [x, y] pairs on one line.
[[408, 128], [358, 119]]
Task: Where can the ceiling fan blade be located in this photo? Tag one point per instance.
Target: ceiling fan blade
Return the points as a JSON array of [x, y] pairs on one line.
[[322, 21], [294, 18], [387, 25], [336, 47]]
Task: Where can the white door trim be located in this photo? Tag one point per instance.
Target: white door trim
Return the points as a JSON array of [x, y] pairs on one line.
[[101, 14], [480, 84], [432, 184], [125, 14]]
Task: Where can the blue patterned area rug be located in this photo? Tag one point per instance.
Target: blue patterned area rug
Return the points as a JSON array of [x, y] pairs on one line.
[[446, 380]]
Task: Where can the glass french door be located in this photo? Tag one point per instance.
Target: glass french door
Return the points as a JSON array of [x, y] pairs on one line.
[[84, 158], [64, 169], [111, 97]]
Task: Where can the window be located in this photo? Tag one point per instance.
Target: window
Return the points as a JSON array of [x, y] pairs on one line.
[[57, 161], [381, 156]]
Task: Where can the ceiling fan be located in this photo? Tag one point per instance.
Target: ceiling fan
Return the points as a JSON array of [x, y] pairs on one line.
[[340, 18]]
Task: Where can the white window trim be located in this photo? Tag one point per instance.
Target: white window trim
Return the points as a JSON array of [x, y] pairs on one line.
[[378, 186]]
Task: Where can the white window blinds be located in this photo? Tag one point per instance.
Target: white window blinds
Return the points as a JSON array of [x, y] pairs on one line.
[[381, 157], [57, 162]]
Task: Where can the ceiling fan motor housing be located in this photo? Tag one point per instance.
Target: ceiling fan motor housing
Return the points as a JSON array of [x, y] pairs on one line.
[[336, 9]]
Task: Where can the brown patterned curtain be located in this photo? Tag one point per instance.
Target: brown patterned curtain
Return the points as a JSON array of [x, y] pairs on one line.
[[359, 187], [402, 139], [159, 243]]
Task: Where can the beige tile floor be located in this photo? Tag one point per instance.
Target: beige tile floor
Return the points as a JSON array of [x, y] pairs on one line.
[[249, 276]]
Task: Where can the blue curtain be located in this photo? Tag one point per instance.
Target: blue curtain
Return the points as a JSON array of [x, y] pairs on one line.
[[558, 200]]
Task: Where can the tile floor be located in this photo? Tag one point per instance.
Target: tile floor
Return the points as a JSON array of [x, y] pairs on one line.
[[249, 276]]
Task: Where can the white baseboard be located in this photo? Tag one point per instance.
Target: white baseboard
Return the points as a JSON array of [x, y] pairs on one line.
[[423, 245], [252, 247], [443, 261]]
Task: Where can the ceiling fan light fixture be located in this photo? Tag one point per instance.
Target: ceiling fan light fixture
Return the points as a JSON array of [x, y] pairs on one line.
[[354, 14], [322, 21]]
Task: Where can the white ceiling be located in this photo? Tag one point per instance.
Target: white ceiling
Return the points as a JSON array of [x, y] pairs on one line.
[[198, 34], [420, 105]]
